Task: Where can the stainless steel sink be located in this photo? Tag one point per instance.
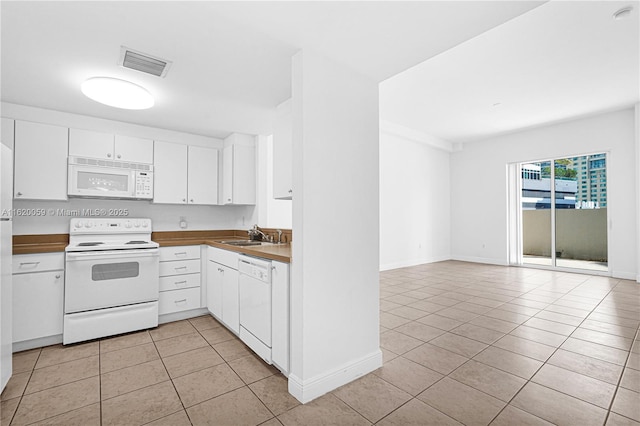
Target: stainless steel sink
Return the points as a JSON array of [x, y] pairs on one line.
[[244, 243]]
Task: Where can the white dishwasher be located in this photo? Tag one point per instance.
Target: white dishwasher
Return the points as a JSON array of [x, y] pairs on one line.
[[255, 304]]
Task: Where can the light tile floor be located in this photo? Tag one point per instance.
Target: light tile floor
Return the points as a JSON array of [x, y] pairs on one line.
[[463, 344]]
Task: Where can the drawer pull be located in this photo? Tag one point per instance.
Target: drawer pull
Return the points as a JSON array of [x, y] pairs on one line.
[[180, 301], [182, 253], [221, 270], [179, 267], [178, 283], [58, 277], [30, 264]]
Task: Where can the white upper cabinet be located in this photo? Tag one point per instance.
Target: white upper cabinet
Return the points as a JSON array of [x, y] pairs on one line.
[[170, 173], [283, 152], [239, 170], [202, 175], [40, 155], [87, 143], [185, 174], [136, 150], [7, 132]]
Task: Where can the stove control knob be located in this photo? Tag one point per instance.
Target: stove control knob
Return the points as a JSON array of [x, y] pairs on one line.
[[145, 224], [78, 224], [136, 224], [89, 224], [127, 224]]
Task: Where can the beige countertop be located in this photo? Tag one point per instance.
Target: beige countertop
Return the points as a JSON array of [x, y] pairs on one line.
[[47, 243]]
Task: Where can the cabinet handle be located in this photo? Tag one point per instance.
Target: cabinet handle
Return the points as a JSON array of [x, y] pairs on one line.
[[180, 301], [178, 283], [228, 199], [109, 155], [119, 156], [290, 191], [19, 194], [191, 200], [180, 267], [58, 277], [184, 200], [221, 270], [32, 264], [181, 253]]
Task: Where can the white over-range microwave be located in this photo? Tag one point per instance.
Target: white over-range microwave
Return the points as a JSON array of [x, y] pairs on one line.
[[91, 177]]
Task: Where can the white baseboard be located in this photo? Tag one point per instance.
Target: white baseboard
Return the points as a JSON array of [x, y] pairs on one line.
[[310, 389], [486, 260], [625, 275], [37, 343], [415, 262], [178, 316]]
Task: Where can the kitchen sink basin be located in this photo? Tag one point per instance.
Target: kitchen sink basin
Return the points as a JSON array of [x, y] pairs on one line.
[[244, 243]]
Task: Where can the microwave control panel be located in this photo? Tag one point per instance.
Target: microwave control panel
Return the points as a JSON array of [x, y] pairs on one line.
[[144, 185]]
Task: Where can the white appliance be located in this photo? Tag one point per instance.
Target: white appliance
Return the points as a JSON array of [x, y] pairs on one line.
[[111, 278], [90, 177], [6, 185], [254, 284]]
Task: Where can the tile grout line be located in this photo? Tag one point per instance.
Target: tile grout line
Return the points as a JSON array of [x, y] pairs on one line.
[[556, 349], [545, 363], [25, 388], [624, 367]]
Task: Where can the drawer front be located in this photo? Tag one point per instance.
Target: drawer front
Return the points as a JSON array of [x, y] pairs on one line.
[[177, 282], [223, 257], [179, 253], [25, 263], [179, 300], [179, 267]]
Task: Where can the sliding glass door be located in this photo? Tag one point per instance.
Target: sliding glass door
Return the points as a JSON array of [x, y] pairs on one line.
[[564, 212]]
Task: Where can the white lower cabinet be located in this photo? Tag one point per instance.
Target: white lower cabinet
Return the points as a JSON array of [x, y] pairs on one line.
[[223, 300], [280, 315], [179, 279], [38, 295], [222, 287]]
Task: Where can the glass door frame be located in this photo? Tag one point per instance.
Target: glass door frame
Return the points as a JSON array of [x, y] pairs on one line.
[[515, 216]]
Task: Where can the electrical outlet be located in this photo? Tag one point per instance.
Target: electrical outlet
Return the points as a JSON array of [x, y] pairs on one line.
[[183, 222]]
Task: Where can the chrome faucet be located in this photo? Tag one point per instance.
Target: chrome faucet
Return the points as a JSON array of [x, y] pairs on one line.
[[255, 232], [279, 231]]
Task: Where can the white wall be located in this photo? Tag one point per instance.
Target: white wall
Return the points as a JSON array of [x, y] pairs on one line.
[[334, 289], [414, 202], [164, 217], [479, 228]]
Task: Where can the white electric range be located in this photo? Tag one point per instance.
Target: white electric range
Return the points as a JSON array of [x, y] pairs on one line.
[[111, 278]]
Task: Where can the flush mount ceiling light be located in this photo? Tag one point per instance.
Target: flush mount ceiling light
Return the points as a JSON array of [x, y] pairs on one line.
[[117, 93], [623, 13]]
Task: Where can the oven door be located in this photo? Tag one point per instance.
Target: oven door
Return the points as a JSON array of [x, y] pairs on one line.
[[103, 279], [95, 181]]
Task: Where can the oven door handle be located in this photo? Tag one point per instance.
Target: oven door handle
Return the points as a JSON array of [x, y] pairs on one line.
[[108, 254]]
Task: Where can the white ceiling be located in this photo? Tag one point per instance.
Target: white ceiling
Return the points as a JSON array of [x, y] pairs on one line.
[[561, 60], [231, 60]]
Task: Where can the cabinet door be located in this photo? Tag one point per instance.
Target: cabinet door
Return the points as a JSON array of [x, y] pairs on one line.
[[282, 152], [280, 314], [215, 276], [136, 150], [230, 299], [202, 185], [244, 174], [227, 172], [40, 168], [37, 305], [169, 173], [7, 132], [87, 143]]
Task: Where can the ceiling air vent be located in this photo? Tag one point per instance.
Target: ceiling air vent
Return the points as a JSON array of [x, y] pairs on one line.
[[142, 62]]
